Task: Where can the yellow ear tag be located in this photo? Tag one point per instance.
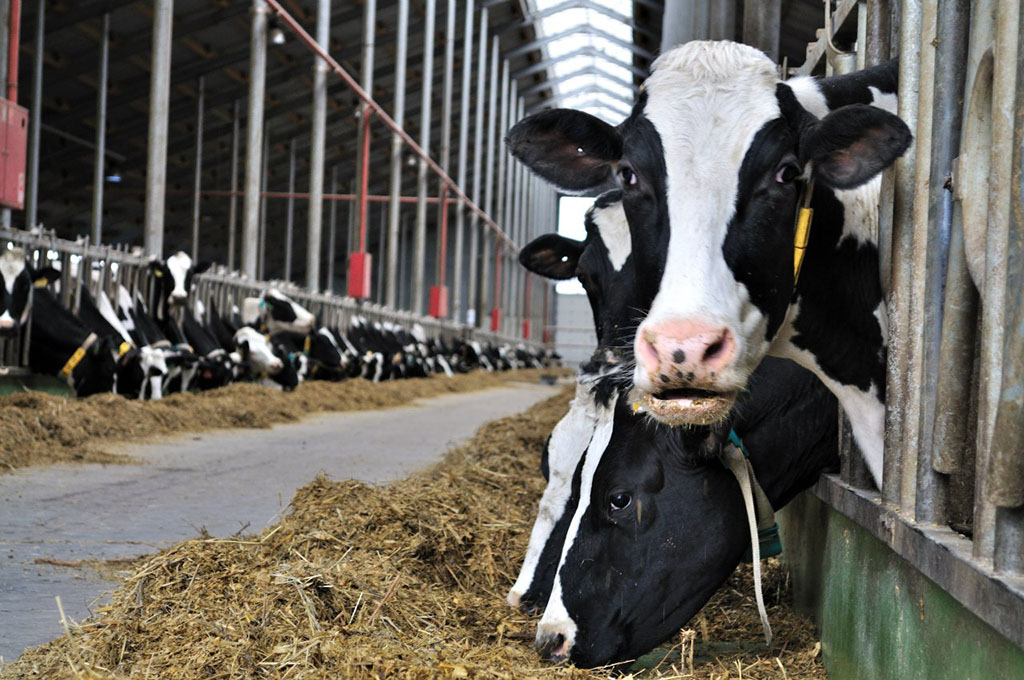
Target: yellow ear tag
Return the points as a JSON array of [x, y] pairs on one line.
[[803, 232], [41, 282], [124, 349], [157, 273]]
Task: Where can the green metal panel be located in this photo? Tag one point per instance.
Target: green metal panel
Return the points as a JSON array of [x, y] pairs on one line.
[[880, 618]]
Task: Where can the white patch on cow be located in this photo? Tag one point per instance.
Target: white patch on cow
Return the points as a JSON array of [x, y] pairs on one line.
[[556, 619], [863, 408], [179, 264], [809, 94], [12, 264], [569, 440], [304, 319], [884, 100], [418, 333], [860, 211], [199, 309], [153, 360], [250, 311], [611, 223], [707, 95], [106, 310], [124, 306], [261, 356]]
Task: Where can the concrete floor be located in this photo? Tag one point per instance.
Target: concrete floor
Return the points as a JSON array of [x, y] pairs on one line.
[[223, 481]]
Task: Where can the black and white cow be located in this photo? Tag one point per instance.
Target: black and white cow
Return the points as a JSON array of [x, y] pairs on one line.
[[280, 313], [173, 278], [16, 283], [712, 163], [658, 522]]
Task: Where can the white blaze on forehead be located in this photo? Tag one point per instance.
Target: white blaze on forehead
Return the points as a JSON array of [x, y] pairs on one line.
[[12, 264], [556, 617], [614, 229], [179, 264], [809, 94], [569, 440], [706, 100]]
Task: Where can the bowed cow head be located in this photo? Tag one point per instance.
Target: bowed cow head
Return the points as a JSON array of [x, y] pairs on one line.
[[17, 278], [711, 163]]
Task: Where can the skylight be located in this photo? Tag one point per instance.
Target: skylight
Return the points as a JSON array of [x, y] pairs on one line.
[[594, 75]]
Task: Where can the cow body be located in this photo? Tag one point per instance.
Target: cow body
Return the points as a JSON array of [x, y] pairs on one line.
[[712, 164]]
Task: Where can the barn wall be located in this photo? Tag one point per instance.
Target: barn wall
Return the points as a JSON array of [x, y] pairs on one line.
[[879, 617]]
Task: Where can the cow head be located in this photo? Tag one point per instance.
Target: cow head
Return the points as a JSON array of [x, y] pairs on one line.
[[174, 277], [16, 280], [281, 313], [711, 162]]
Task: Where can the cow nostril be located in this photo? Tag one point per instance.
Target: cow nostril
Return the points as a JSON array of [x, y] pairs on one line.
[[713, 349], [549, 647]]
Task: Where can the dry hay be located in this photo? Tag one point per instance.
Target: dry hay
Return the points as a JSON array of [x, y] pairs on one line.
[[405, 580], [40, 428]]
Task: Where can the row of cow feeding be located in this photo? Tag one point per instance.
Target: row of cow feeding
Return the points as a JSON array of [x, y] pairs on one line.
[[684, 435], [143, 348]]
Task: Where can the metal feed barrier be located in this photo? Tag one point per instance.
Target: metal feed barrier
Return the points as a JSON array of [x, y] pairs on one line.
[[107, 267], [951, 239]]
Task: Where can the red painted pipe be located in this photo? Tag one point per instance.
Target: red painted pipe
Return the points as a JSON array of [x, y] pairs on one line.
[[443, 257], [372, 198], [13, 44]]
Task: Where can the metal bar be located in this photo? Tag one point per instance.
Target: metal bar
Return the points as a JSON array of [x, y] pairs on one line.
[[473, 296], [576, 32], [349, 197], [722, 22], [949, 42], [254, 138], [993, 310], [902, 243], [446, 140], [394, 212], [363, 95], [233, 200], [420, 236], [318, 133], [197, 181], [876, 49], [265, 176], [35, 118], [489, 205], [363, 181], [365, 108], [502, 192], [458, 300], [99, 162], [761, 25], [289, 223], [588, 51], [332, 230], [13, 45]]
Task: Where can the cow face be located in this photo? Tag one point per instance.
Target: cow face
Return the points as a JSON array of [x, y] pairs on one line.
[[281, 313], [175, 277], [711, 163], [256, 352]]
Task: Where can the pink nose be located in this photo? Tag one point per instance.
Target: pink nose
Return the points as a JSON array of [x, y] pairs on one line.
[[683, 352]]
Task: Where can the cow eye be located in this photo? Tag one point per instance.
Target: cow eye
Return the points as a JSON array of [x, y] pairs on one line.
[[787, 173], [628, 178], [619, 501]]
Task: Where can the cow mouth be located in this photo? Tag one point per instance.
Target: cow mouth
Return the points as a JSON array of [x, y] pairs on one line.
[[687, 405]]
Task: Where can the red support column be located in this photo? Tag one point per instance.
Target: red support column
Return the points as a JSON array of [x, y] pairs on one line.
[[360, 263], [496, 303], [439, 293]]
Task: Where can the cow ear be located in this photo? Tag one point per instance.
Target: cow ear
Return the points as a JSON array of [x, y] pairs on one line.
[[854, 143], [552, 256], [200, 267], [573, 150]]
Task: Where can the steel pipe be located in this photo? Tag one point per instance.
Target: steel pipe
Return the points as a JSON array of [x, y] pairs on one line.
[[332, 230], [394, 212], [289, 223], [233, 199], [474, 296], [99, 162], [254, 139], [762, 25], [265, 176], [365, 109], [457, 311], [13, 45], [197, 180], [318, 132], [35, 118], [419, 250]]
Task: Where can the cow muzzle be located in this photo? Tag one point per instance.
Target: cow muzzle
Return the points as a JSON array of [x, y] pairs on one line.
[[679, 371], [552, 644]]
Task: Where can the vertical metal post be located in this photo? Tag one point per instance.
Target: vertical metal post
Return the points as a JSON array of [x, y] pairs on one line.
[[502, 184], [722, 22], [473, 296], [366, 82], [156, 142], [332, 231], [262, 268], [197, 181], [420, 237], [254, 139], [762, 25], [317, 137], [877, 47], [458, 300], [489, 204], [993, 310], [8, 34], [902, 243], [446, 144], [233, 199], [394, 205], [99, 165], [289, 224], [35, 116]]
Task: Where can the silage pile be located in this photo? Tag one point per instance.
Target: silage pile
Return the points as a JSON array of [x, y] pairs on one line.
[[40, 428], [405, 580]]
